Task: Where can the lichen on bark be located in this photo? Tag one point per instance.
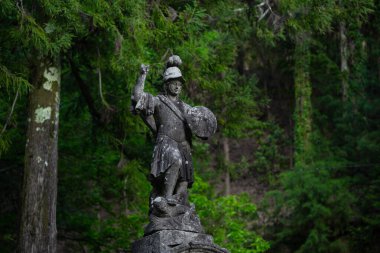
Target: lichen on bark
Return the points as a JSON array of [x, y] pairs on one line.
[[51, 75], [42, 114]]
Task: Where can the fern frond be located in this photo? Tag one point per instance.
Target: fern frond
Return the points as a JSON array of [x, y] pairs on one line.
[[33, 33], [11, 81]]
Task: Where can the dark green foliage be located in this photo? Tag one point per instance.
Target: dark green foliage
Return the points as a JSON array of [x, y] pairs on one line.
[[268, 156], [321, 201], [276, 82], [314, 209], [226, 218]]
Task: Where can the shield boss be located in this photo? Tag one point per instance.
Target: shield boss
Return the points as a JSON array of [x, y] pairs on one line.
[[202, 121]]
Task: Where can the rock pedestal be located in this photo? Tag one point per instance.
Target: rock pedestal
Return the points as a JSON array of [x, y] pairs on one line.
[[173, 217], [176, 241]]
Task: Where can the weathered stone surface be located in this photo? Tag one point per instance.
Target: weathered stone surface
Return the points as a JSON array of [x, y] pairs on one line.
[[200, 248], [173, 217], [202, 121], [175, 241]]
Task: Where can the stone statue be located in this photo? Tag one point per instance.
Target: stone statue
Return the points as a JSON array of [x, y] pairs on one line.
[[173, 123]]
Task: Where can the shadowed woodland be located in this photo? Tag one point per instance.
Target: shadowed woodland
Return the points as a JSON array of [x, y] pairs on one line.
[[295, 86]]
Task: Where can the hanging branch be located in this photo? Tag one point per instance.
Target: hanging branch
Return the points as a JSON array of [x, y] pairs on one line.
[[84, 90], [263, 12], [101, 90], [274, 19], [20, 7], [10, 113], [264, 8], [100, 84]]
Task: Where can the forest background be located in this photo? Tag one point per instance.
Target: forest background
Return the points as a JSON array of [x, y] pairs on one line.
[[294, 84]]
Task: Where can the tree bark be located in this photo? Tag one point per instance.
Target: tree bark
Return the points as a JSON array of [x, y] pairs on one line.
[[38, 229], [227, 178]]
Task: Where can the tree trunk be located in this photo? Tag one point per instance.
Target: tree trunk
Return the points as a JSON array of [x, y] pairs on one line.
[[303, 108], [38, 229], [344, 54], [226, 151]]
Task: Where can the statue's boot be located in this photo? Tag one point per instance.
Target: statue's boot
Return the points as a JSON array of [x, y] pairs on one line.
[[182, 193], [153, 194]]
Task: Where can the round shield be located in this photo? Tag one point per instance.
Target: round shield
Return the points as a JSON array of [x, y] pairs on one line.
[[202, 121]]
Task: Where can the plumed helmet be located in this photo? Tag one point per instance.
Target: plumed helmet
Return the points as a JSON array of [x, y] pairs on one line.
[[172, 71]]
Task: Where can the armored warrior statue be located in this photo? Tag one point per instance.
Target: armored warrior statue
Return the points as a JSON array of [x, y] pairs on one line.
[[173, 122], [173, 223]]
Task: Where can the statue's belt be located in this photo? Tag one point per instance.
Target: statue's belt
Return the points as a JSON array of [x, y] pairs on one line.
[[164, 135]]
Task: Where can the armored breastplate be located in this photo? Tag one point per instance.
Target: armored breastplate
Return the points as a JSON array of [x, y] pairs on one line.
[[169, 124]]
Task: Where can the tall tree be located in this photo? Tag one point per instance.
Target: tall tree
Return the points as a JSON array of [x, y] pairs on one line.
[[43, 31], [303, 108], [344, 54], [38, 230], [39, 63], [227, 160]]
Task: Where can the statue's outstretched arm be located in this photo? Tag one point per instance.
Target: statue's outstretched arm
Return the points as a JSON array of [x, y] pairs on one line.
[[144, 102], [139, 87]]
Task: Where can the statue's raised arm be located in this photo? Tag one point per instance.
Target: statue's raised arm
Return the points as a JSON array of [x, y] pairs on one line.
[[139, 87], [143, 103]]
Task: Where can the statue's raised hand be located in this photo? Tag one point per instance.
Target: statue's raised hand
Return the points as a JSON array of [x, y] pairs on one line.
[[144, 69]]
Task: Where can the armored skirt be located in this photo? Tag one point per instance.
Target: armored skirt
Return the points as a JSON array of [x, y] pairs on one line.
[[168, 152]]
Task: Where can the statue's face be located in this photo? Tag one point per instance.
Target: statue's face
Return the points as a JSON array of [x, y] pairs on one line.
[[174, 87]]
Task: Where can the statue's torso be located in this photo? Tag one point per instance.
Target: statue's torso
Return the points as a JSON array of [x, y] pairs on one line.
[[169, 124]]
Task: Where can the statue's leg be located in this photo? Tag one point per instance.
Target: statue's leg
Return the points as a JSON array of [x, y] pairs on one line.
[[171, 177], [181, 187], [181, 191]]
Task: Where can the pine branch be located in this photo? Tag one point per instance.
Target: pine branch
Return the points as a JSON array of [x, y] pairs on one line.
[[10, 80], [105, 103]]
